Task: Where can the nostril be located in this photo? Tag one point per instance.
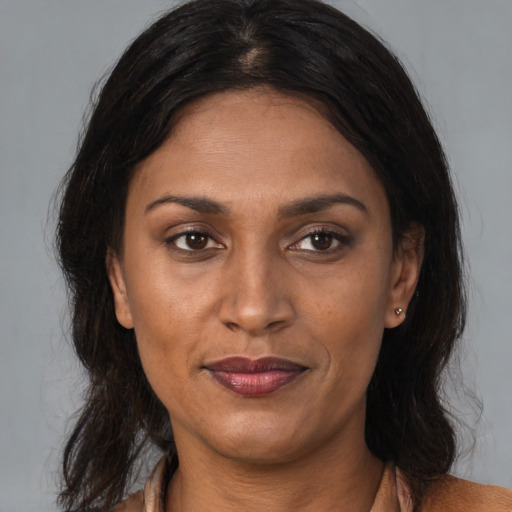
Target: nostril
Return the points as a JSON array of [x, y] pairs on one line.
[[232, 326], [275, 324]]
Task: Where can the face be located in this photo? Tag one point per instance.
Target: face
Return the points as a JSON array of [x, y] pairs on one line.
[[258, 273]]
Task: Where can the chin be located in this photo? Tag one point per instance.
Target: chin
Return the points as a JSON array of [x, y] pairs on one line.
[[259, 441], [261, 451]]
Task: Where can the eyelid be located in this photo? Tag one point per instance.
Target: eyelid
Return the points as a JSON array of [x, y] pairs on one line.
[[185, 227]]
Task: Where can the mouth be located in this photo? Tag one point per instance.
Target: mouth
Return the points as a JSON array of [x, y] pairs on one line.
[[254, 377]]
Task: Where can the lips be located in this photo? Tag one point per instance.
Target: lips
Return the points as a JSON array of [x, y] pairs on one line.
[[254, 377]]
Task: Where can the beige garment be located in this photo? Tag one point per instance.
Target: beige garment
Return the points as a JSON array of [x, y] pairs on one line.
[[447, 494]]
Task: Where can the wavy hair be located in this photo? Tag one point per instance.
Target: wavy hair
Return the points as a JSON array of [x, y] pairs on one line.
[[301, 47]]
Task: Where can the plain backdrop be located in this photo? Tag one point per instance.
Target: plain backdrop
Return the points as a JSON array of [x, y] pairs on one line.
[[459, 54]]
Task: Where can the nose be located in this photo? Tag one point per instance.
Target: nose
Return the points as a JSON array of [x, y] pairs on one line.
[[255, 299]]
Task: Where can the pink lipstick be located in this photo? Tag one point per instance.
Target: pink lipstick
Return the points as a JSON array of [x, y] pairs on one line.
[[254, 377]]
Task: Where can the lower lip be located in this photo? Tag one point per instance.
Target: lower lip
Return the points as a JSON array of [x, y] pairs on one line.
[[255, 384]]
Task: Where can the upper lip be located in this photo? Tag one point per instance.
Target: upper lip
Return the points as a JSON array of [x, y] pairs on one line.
[[239, 364]]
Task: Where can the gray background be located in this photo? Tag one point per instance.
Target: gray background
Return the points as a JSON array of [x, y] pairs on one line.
[[459, 53]]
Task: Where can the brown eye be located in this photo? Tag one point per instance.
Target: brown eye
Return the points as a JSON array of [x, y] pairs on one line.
[[193, 241], [318, 241], [321, 241], [196, 241]]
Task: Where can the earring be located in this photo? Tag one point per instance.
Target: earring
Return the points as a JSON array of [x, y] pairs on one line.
[[399, 311]]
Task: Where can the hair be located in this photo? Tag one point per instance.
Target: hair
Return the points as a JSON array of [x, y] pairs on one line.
[[297, 47]]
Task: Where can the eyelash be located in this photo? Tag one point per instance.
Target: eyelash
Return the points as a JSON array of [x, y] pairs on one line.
[[341, 240]]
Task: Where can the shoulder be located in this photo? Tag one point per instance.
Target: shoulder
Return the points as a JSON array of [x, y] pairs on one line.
[[134, 503], [450, 494], [152, 498]]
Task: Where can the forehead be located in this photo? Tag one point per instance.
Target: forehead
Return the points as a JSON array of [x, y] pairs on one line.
[[248, 119], [257, 142]]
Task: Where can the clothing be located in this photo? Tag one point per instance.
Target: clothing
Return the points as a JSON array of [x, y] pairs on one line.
[[448, 494]]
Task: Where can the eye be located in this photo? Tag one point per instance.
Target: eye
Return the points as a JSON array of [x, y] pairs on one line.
[[321, 240], [193, 241]]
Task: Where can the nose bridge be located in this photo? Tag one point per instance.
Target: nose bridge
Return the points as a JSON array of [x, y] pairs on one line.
[[255, 301]]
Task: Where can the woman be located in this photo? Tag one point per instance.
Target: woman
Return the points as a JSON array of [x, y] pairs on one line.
[[262, 245]]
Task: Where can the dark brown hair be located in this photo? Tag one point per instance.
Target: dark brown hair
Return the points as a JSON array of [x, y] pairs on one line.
[[297, 47]]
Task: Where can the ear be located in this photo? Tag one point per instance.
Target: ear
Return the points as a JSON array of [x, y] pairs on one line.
[[405, 274], [117, 283]]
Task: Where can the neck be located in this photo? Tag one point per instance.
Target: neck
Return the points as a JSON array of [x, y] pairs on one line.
[[338, 476]]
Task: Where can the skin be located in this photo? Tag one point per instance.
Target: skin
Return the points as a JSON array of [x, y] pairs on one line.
[[260, 284]]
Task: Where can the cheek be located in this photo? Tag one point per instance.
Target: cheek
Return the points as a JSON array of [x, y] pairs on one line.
[[347, 318], [158, 321], [173, 317], [158, 297]]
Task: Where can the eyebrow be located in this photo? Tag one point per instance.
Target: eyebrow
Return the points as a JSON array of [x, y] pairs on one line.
[[319, 203], [199, 204], [300, 207]]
